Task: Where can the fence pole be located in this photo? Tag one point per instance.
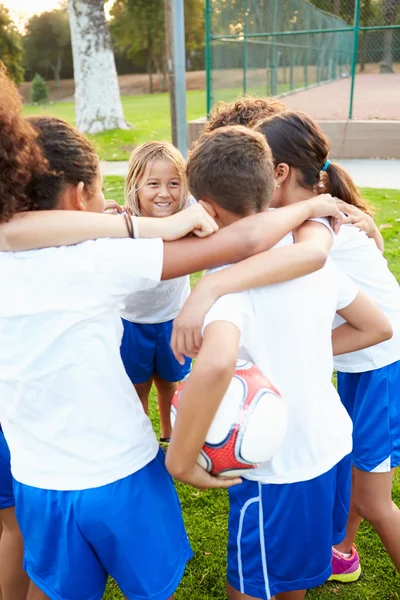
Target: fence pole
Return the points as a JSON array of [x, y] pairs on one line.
[[245, 49], [273, 49], [356, 32], [208, 55]]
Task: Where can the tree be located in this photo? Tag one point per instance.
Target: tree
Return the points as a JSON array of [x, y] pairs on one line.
[[138, 28], [39, 90], [389, 13], [10, 46], [336, 7], [46, 42], [97, 96]]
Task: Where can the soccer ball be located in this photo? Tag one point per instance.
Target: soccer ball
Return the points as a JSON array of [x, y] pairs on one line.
[[249, 426]]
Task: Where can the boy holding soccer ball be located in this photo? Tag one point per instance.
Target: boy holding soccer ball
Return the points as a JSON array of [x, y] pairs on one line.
[[285, 515]]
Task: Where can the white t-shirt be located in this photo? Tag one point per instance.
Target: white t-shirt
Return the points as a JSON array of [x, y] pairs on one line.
[[286, 331], [159, 304], [68, 410], [360, 259], [162, 303]]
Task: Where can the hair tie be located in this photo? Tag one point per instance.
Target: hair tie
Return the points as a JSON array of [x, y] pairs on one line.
[[326, 165]]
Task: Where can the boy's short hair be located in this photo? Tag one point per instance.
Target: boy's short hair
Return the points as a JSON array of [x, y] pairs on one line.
[[232, 167], [246, 111]]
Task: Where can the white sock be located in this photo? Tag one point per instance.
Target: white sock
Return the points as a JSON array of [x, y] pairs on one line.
[[344, 554]]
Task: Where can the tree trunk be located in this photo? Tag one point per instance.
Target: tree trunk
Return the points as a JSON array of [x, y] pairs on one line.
[[386, 65], [57, 71], [336, 7], [150, 74], [97, 97], [389, 13], [363, 51]]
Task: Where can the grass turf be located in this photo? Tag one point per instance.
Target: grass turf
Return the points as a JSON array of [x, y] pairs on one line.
[[206, 512], [149, 115]]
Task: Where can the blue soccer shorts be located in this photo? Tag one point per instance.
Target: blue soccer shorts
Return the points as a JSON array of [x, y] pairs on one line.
[[372, 400], [6, 480], [146, 349], [281, 536], [131, 529]]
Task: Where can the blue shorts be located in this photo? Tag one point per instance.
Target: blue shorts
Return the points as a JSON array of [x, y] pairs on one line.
[[6, 480], [131, 529], [372, 400], [281, 536], [146, 349]]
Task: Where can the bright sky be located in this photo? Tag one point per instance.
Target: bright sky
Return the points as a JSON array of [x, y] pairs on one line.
[[21, 10]]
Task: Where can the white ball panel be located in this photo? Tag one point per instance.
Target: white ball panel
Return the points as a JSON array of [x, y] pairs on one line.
[[227, 413], [264, 430]]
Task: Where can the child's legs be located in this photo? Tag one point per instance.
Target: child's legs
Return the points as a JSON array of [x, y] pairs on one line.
[[36, 593], [298, 595], [372, 400], [138, 352], [236, 595], [165, 393], [14, 581], [373, 501], [167, 373], [143, 391]]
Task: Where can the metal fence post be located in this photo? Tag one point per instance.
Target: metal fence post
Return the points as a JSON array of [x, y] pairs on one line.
[[208, 55], [356, 33], [245, 48], [273, 49]]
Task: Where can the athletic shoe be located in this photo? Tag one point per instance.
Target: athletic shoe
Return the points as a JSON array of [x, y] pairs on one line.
[[345, 570]]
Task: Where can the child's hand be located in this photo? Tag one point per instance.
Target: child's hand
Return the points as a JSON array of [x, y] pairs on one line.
[[199, 478], [326, 205], [186, 336], [113, 207], [357, 217], [194, 219]]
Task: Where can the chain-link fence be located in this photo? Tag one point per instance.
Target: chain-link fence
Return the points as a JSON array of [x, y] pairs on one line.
[[297, 47]]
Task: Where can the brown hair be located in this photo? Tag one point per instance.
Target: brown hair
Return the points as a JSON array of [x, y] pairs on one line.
[[71, 159], [246, 111], [232, 166], [140, 163], [20, 156], [298, 141]]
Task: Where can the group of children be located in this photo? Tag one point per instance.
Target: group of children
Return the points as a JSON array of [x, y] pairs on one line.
[[92, 492]]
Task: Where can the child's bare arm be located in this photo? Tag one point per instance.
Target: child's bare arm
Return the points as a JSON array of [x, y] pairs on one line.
[[365, 326], [309, 254], [203, 392]]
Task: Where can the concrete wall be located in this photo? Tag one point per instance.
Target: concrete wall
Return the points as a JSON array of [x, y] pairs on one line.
[[349, 139]]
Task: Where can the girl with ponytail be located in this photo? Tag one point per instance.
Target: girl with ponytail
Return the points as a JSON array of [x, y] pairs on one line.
[[368, 380]]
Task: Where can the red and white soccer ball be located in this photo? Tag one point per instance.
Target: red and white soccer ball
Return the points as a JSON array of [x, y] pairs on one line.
[[249, 427]]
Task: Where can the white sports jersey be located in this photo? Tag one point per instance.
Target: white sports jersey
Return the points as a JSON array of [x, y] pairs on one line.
[[286, 331], [68, 410], [158, 305], [360, 259]]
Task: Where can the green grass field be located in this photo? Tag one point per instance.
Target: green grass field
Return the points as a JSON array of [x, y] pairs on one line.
[[206, 512], [149, 115]]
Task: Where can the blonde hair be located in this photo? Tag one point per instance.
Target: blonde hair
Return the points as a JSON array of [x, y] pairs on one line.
[[140, 163]]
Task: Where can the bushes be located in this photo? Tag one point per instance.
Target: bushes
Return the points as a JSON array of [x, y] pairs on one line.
[[39, 91]]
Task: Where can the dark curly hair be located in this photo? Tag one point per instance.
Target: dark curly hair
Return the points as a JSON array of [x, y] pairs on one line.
[[71, 159], [21, 159], [246, 111]]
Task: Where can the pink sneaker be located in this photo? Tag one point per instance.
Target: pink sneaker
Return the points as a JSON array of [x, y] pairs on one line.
[[345, 570]]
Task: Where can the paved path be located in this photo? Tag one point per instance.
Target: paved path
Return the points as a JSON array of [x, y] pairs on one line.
[[366, 173]]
